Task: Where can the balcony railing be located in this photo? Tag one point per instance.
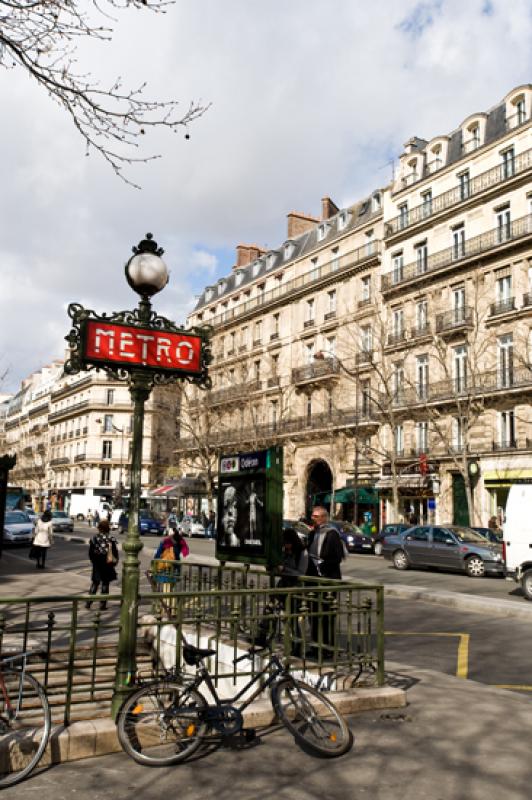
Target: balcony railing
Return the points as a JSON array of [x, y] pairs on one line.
[[527, 299], [311, 277], [309, 323], [274, 336], [515, 120], [275, 380], [505, 444], [66, 412], [502, 306], [366, 301], [419, 331], [329, 315], [475, 246], [458, 194], [456, 318], [318, 369], [233, 392], [80, 457], [55, 462]]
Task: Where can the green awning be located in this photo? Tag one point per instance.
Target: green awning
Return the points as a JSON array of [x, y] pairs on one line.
[[365, 494]]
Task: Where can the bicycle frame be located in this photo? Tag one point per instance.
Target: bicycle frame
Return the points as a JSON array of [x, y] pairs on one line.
[[9, 660], [204, 677]]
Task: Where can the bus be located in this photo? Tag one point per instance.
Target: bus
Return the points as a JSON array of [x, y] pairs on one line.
[[17, 498]]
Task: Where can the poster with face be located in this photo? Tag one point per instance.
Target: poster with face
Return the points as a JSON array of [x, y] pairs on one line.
[[241, 512]]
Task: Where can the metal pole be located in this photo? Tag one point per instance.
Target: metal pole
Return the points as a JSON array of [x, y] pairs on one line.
[[127, 640], [355, 476]]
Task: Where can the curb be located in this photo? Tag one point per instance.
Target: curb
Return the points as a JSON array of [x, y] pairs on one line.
[[91, 738]]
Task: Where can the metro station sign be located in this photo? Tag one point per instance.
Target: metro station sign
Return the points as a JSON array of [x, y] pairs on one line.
[[123, 343]]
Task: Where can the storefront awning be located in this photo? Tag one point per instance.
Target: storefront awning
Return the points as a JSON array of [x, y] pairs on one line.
[[365, 494], [181, 488], [506, 475]]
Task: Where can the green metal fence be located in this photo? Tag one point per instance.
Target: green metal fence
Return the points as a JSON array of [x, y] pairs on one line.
[[324, 627]]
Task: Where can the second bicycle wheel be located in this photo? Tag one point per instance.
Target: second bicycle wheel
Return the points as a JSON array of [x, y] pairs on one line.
[[311, 718], [24, 725], [162, 723]]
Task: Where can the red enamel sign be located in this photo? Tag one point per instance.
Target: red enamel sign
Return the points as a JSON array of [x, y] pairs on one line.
[[129, 346]]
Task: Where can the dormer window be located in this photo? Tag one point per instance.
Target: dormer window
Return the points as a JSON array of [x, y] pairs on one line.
[[342, 220], [256, 268], [222, 286], [209, 293], [518, 104], [323, 229], [435, 161], [288, 250], [239, 276], [473, 133], [376, 202], [271, 258]]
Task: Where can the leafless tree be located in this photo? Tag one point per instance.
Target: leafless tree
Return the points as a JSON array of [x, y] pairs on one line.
[[43, 36]]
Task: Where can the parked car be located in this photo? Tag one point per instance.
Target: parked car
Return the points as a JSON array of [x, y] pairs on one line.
[[445, 546], [388, 530], [147, 523], [18, 528], [489, 534], [31, 514], [191, 526], [517, 544], [62, 522], [355, 540], [301, 528]]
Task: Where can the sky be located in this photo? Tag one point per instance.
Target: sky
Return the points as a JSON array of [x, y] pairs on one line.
[[309, 98]]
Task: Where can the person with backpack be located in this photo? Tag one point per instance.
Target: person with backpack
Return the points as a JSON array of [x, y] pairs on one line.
[[103, 553], [167, 557]]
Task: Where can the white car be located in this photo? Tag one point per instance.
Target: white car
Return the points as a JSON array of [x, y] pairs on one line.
[[18, 528], [191, 526], [115, 518]]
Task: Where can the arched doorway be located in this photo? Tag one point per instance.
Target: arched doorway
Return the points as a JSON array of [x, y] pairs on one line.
[[319, 481]]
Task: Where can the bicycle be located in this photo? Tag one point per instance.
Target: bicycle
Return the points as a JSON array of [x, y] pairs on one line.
[[25, 720], [164, 722]]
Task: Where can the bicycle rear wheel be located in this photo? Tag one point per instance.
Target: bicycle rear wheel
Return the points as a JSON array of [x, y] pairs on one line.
[[24, 725], [162, 723], [311, 718]]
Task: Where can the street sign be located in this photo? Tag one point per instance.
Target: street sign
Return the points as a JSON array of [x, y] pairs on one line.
[[250, 507]]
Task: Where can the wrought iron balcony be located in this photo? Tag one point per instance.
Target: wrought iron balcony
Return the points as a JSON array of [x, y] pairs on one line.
[[309, 323], [80, 457], [456, 318], [418, 331], [364, 357], [396, 337], [504, 444], [55, 462], [527, 299], [274, 336], [458, 194], [329, 315], [275, 380], [502, 306], [476, 246], [324, 368], [232, 393], [366, 301]]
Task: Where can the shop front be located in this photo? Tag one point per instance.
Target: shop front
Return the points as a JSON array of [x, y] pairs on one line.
[[418, 499], [497, 483], [184, 497], [367, 505]]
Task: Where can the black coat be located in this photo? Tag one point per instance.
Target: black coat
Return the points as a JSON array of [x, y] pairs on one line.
[[332, 555], [102, 572]]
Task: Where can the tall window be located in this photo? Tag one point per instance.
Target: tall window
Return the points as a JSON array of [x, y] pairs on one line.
[[403, 215], [464, 185], [508, 162], [366, 339], [426, 197], [398, 380], [309, 408], [507, 428], [505, 358], [398, 322], [105, 476], [257, 332], [397, 267], [108, 423], [232, 342], [330, 343], [421, 257], [256, 370], [365, 397], [365, 283], [504, 224], [331, 302], [422, 436], [275, 365], [274, 413], [244, 337], [459, 304], [504, 291], [370, 243], [520, 111], [335, 260], [110, 397], [309, 353], [309, 311], [107, 449], [460, 368], [398, 440], [422, 377], [275, 325], [459, 241], [421, 315], [458, 434]]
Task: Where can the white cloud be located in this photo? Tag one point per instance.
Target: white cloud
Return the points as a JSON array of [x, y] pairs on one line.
[[309, 98]]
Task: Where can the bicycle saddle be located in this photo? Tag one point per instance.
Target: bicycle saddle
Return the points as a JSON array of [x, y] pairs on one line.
[[193, 655]]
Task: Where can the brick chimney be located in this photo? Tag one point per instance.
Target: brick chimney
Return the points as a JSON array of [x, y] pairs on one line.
[[299, 223], [328, 208], [246, 253]]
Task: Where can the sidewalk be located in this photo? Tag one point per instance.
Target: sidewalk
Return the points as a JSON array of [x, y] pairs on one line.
[[456, 740]]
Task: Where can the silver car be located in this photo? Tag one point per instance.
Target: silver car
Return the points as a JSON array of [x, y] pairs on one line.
[[18, 528], [452, 547]]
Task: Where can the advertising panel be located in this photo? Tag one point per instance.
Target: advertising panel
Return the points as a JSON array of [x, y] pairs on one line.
[[249, 518]]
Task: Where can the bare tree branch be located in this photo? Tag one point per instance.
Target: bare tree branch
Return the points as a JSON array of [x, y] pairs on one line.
[[42, 37]]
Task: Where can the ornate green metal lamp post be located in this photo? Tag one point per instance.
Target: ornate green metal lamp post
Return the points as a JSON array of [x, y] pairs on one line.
[[146, 350]]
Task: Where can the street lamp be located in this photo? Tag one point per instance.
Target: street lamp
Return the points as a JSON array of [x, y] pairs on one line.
[[322, 355]]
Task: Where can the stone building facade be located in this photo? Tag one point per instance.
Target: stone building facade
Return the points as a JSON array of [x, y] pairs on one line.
[[387, 346]]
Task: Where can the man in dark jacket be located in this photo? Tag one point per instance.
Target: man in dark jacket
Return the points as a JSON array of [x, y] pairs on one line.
[[325, 554], [325, 549]]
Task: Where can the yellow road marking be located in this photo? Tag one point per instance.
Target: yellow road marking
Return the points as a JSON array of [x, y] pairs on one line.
[[522, 688], [462, 657]]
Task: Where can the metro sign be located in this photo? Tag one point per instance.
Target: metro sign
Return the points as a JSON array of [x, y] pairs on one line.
[[136, 348]]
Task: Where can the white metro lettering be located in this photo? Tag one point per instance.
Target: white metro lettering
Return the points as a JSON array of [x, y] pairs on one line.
[[98, 340], [189, 352]]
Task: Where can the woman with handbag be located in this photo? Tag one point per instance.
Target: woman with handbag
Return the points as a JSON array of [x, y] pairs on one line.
[[42, 539], [103, 553]]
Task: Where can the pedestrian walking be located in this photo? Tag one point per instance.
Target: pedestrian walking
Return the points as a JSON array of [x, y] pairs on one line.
[[90, 517], [325, 555], [96, 518], [212, 524], [103, 553], [205, 523], [43, 539]]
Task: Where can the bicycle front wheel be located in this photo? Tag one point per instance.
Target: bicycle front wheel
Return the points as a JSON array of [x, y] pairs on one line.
[[311, 718], [162, 723], [24, 725]]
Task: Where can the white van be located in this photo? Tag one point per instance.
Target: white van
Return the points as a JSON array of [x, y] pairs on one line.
[[115, 518], [517, 536]]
